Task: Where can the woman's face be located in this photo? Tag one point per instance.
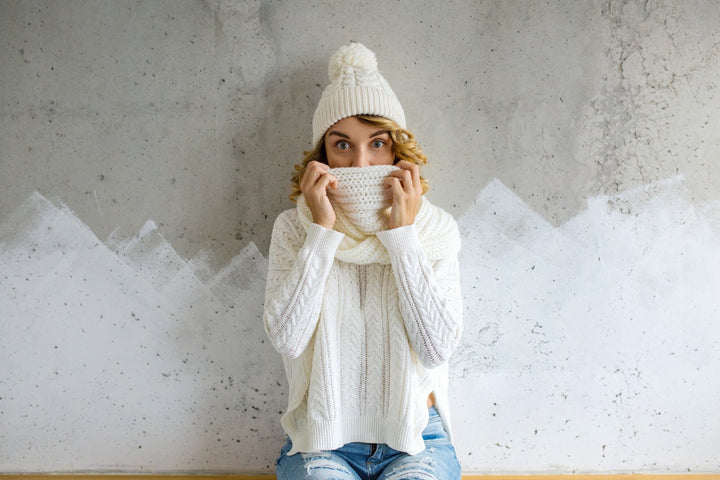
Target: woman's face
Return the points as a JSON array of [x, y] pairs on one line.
[[354, 143]]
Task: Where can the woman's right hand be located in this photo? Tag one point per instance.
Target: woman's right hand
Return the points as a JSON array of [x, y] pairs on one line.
[[314, 186]]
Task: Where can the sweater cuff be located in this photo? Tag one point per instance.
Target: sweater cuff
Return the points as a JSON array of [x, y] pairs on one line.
[[323, 241], [400, 240]]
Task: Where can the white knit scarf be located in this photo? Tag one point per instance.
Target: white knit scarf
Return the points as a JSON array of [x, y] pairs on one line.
[[362, 204]]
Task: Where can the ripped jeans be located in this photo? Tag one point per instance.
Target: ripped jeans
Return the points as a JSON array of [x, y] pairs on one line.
[[364, 461]]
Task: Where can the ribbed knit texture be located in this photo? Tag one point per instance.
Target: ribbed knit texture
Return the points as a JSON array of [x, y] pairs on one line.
[[356, 88], [363, 343]]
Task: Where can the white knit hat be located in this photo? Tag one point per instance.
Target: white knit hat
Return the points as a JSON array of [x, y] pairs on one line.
[[356, 88]]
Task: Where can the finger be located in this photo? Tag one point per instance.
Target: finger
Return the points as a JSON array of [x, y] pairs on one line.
[[405, 179], [316, 168], [325, 181], [414, 170], [332, 180], [410, 166], [313, 172], [308, 178], [395, 185]]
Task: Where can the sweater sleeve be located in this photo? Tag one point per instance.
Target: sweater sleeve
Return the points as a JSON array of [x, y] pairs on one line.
[[298, 267], [430, 295]]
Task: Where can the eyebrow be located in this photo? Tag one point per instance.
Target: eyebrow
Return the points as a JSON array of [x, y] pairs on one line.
[[342, 135]]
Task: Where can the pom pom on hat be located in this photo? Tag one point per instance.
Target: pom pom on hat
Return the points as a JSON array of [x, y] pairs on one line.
[[356, 88], [352, 57]]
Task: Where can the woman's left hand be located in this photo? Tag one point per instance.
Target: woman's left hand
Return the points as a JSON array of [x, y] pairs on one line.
[[406, 194]]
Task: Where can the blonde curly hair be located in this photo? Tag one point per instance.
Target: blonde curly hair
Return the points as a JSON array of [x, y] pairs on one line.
[[404, 147]]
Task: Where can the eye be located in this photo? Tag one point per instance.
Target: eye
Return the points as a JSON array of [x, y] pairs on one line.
[[378, 143], [342, 145]]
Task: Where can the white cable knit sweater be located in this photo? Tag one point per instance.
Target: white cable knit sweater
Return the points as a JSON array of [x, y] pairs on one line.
[[363, 344]]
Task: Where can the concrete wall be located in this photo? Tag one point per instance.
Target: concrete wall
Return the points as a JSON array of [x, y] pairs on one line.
[[146, 147]]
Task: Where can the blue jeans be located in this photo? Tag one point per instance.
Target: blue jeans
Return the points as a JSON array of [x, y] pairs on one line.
[[365, 461]]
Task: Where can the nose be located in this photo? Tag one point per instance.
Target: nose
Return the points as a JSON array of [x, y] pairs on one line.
[[361, 158]]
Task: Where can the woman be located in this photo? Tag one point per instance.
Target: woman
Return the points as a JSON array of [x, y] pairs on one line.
[[363, 298]]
